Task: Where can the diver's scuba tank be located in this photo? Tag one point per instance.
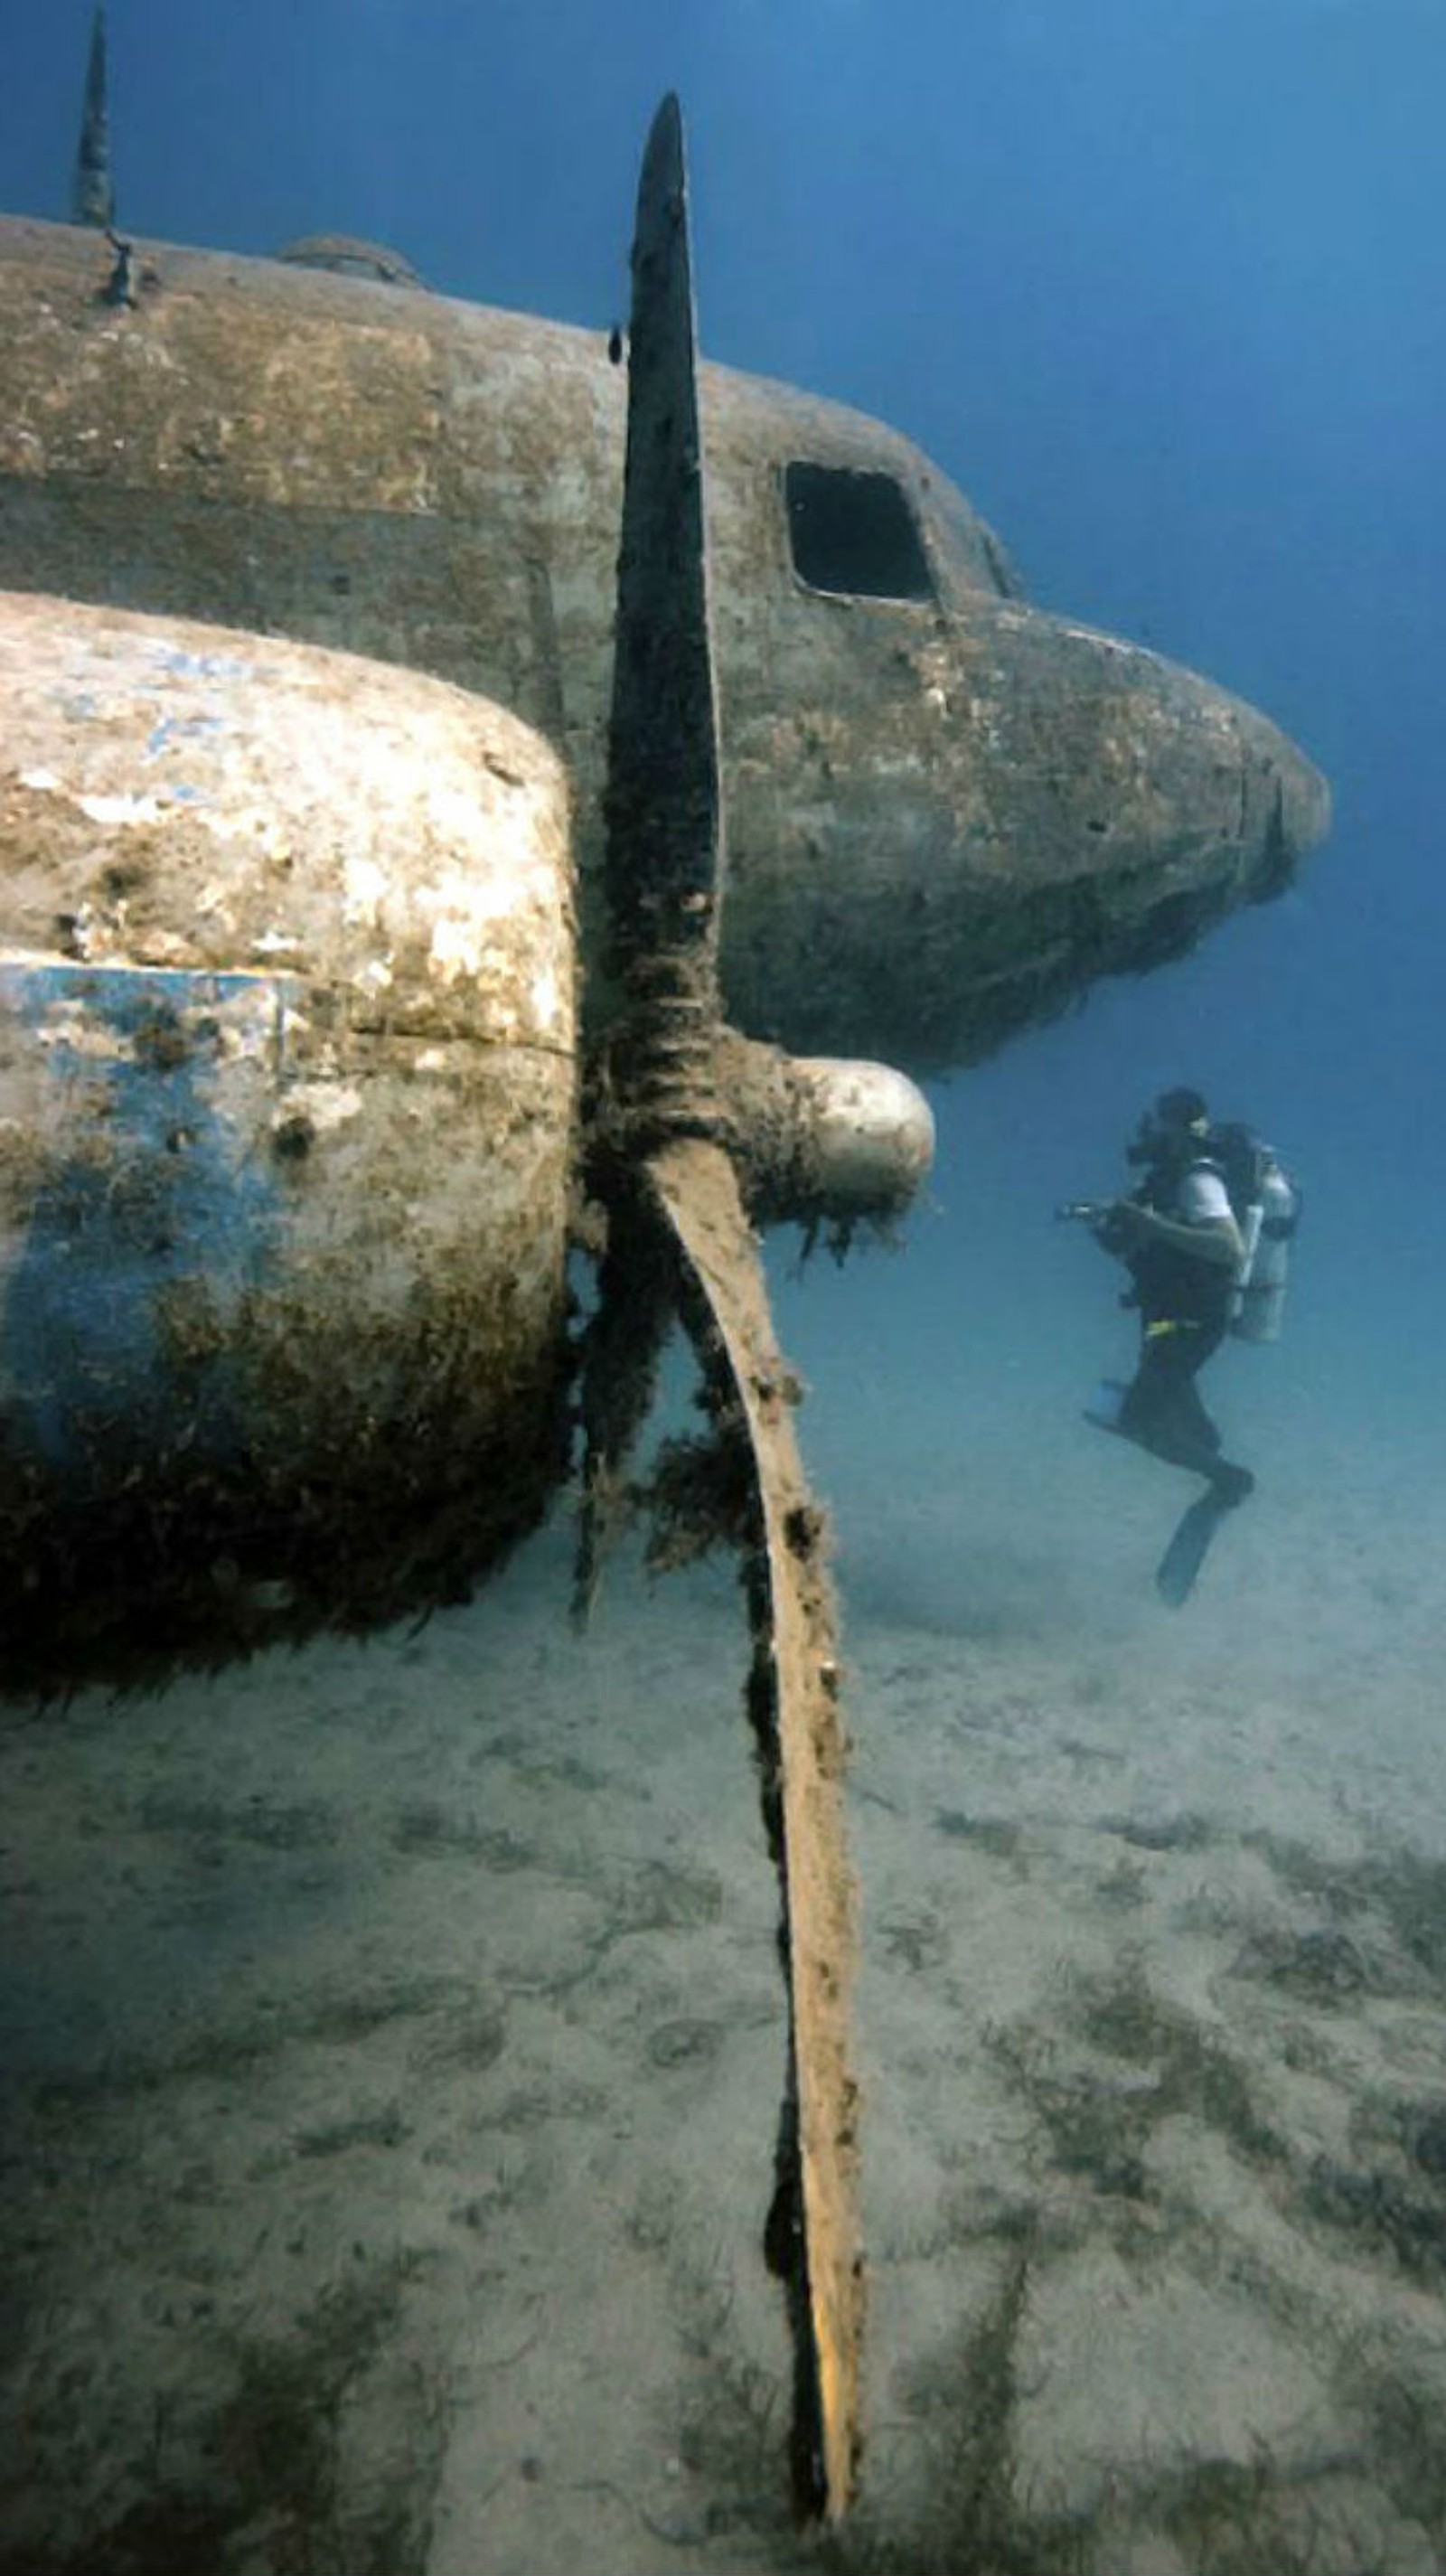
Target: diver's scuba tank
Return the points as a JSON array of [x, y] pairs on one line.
[[1268, 1224]]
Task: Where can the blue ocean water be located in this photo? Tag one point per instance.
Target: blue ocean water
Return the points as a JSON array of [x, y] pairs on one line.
[[1159, 289]]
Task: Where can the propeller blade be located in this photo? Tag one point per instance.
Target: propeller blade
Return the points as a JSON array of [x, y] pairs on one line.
[[679, 1244], [814, 2236], [664, 842], [663, 857]]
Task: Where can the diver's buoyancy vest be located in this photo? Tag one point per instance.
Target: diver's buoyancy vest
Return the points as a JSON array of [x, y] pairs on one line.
[[1265, 1204], [1172, 1285]]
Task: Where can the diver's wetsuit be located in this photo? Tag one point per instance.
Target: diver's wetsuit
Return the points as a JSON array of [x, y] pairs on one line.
[[1184, 1307]]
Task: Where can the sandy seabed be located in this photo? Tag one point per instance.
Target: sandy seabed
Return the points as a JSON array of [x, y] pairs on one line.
[[394, 2042]]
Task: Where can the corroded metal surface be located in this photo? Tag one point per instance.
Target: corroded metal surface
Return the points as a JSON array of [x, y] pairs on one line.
[[663, 822], [947, 815], [679, 1243], [815, 2237], [287, 1124], [176, 797]]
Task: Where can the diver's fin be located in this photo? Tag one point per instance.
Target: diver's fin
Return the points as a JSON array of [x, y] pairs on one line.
[[1183, 1558]]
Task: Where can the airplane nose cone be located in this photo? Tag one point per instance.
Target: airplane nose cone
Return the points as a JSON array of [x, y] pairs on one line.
[[1158, 800], [1122, 806], [1019, 807]]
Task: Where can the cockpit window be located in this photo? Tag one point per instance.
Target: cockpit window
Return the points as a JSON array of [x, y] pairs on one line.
[[854, 533]]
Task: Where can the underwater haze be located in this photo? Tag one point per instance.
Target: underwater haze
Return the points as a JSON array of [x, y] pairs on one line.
[[395, 2032]]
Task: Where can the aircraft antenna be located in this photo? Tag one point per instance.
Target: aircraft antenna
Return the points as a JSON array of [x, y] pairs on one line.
[[93, 195]]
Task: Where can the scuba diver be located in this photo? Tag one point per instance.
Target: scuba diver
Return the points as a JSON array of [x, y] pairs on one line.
[[1204, 1239]]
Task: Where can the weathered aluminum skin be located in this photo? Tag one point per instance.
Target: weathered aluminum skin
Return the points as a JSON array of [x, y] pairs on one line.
[[287, 1125], [945, 817]]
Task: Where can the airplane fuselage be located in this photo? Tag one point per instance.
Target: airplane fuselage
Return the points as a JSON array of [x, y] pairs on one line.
[[947, 812]]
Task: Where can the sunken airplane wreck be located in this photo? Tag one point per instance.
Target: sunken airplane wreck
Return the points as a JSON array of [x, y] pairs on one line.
[[307, 933], [306, 659], [365, 942]]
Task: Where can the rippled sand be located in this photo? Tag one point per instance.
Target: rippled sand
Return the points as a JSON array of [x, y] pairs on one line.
[[394, 2047]]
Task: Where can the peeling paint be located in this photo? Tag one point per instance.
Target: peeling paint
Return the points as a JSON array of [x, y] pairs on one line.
[[327, 1104], [365, 883], [122, 810], [283, 1245]]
